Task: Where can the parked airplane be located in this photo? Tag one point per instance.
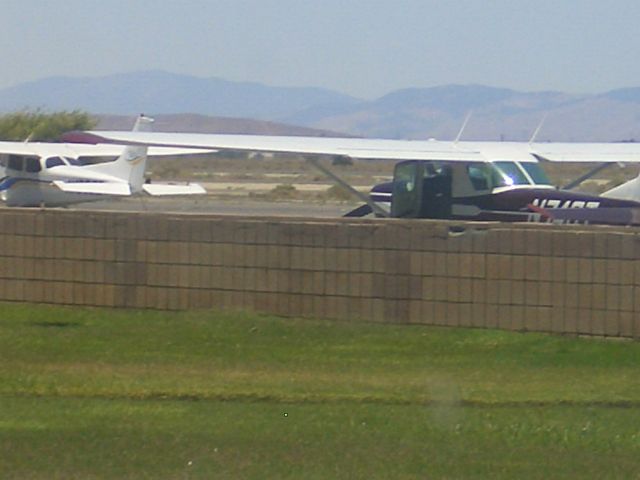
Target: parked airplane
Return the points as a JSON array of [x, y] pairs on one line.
[[449, 180], [51, 174]]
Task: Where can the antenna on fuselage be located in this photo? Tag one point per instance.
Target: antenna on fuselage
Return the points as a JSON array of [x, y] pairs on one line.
[[535, 133], [464, 125]]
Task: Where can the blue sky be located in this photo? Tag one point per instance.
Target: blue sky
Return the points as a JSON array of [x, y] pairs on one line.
[[364, 48]]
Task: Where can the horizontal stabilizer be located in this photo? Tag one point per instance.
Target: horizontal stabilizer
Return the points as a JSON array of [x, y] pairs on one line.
[[158, 189], [96, 188]]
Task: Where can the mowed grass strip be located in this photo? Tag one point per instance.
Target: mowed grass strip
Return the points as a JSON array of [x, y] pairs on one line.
[[90, 393], [132, 354], [54, 438]]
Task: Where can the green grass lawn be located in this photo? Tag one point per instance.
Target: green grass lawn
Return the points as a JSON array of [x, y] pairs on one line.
[[88, 393]]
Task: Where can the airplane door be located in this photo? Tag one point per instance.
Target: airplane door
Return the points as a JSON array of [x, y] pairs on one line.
[[407, 190], [436, 195]]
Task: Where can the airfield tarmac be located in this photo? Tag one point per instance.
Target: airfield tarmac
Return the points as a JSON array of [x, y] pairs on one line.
[[222, 206]]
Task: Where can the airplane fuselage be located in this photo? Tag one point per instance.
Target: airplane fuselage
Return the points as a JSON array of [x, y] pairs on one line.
[[498, 192], [35, 194], [31, 181], [524, 204]]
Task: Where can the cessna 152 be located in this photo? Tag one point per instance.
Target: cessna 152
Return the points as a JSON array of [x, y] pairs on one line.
[[448, 180], [51, 174]]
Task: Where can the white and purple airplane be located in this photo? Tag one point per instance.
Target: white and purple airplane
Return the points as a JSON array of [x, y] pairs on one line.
[[500, 181]]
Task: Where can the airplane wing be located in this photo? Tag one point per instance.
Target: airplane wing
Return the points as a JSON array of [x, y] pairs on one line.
[[588, 152], [76, 150], [365, 148], [360, 148], [162, 189], [108, 150], [97, 188]]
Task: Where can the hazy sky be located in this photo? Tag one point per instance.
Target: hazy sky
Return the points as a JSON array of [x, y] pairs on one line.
[[364, 48]]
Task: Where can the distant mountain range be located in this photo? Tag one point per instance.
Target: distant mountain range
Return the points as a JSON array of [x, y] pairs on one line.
[[436, 112], [196, 123]]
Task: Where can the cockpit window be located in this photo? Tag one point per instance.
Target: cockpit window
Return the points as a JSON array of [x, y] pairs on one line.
[[32, 165], [54, 162], [484, 176], [16, 162], [74, 161], [536, 173], [512, 174]]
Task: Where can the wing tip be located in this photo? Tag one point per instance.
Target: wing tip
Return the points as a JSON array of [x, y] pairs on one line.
[[83, 137]]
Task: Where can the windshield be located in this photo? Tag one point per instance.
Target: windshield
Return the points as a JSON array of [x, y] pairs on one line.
[[511, 174], [536, 173], [484, 176], [54, 162]]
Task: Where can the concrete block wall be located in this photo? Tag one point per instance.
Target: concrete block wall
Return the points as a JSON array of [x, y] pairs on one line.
[[565, 279]]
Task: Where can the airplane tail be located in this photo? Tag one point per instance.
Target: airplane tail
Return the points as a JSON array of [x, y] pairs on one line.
[[627, 191], [132, 162]]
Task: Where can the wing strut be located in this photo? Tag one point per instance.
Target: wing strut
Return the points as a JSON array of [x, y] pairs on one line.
[[464, 125], [365, 198], [586, 176], [537, 130]]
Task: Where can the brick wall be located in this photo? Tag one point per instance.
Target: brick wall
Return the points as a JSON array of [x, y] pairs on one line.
[[520, 277]]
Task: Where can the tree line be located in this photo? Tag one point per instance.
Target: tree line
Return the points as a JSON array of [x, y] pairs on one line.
[[42, 126]]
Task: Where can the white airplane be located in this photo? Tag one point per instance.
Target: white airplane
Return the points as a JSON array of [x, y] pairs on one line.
[[450, 180], [51, 174]]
